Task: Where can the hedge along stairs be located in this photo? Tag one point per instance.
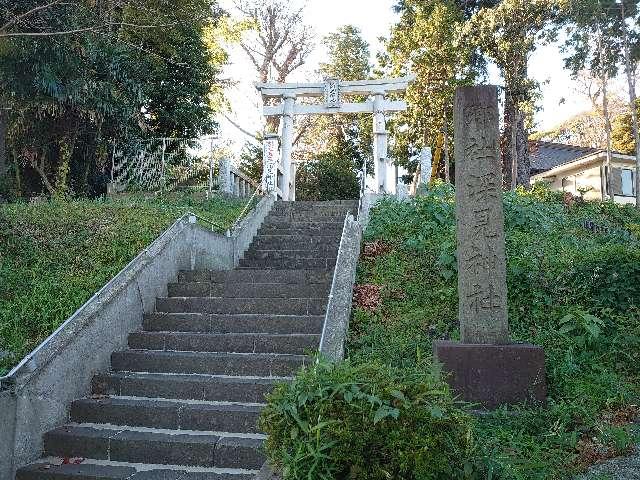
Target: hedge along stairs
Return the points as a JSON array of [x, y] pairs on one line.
[[182, 403]]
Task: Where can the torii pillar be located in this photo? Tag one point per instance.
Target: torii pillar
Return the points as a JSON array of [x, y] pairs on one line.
[[289, 102], [380, 144]]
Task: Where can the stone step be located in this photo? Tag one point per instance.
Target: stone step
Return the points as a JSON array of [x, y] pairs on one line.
[[303, 229], [248, 290], [257, 276], [303, 203], [186, 387], [322, 228], [276, 255], [91, 469], [254, 364], [288, 263], [333, 216], [294, 242], [225, 342], [273, 306], [167, 414], [206, 323], [155, 447]]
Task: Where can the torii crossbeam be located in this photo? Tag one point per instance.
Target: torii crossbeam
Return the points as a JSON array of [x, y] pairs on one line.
[[332, 91]]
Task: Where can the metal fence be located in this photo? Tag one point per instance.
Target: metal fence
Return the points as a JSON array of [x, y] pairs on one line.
[[166, 164]]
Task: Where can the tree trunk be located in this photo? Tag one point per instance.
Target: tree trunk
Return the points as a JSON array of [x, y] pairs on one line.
[[607, 129], [3, 136], [522, 148], [507, 140], [631, 82], [39, 167], [445, 142]]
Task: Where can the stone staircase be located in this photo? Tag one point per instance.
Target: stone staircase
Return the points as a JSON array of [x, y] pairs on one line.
[[182, 402]]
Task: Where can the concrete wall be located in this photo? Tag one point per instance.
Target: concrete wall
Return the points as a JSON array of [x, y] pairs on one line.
[[243, 234], [35, 396]]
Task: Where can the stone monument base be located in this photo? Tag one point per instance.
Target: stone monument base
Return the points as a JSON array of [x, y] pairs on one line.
[[494, 375]]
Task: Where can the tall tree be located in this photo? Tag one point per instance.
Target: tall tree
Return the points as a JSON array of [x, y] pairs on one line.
[[340, 143], [593, 47], [423, 42], [279, 43], [631, 55], [622, 134], [348, 59], [508, 34], [79, 75]]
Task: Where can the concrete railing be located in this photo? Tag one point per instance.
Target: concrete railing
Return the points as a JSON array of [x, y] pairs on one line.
[[232, 181], [35, 396], [336, 321]]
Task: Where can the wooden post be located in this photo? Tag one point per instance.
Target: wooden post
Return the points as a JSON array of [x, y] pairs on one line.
[[287, 142], [380, 144]]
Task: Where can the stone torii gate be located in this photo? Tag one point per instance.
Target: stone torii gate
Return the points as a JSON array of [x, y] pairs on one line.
[[332, 91]]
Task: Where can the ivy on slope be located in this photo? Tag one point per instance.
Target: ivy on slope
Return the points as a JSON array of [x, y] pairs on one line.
[[572, 290], [55, 255]]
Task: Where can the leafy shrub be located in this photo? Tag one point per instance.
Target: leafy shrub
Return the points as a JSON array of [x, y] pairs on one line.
[[367, 421], [329, 176], [573, 291]]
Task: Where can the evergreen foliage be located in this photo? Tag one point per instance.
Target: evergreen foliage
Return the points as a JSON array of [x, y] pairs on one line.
[[134, 70]]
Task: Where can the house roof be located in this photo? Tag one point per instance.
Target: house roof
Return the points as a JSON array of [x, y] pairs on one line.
[[547, 155]]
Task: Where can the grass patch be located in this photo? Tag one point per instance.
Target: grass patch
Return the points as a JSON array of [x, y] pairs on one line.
[[55, 255], [571, 290]]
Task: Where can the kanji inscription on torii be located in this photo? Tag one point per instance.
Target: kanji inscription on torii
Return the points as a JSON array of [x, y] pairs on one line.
[[332, 94], [482, 286]]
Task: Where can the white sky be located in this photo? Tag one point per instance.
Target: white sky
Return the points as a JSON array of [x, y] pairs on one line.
[[374, 18]]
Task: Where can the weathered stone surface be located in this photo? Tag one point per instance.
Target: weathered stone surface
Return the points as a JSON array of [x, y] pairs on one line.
[[494, 375], [236, 452], [48, 471], [482, 285], [340, 300], [163, 449], [425, 165]]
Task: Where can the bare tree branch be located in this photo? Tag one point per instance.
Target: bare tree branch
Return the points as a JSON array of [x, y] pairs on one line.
[[246, 132], [17, 18], [282, 41]]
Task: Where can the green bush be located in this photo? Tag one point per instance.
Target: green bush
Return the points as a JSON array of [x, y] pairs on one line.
[[367, 421], [329, 176], [572, 291]]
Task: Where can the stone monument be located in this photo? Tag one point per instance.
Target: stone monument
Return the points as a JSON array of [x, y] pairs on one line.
[[224, 176], [270, 164], [425, 165], [485, 367]]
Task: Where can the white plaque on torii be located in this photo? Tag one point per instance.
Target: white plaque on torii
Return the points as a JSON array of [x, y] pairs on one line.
[[332, 92]]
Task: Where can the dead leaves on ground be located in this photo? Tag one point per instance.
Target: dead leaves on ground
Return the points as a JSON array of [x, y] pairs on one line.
[[591, 450], [375, 249], [367, 297]]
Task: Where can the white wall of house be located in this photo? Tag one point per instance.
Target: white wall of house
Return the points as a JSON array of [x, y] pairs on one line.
[[587, 174]]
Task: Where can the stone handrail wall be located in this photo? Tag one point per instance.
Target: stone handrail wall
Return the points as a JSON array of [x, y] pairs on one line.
[[232, 181], [336, 322], [35, 396]]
